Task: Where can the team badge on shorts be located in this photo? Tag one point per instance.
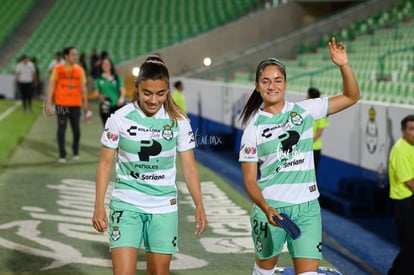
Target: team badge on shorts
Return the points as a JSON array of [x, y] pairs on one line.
[[259, 245], [116, 234]]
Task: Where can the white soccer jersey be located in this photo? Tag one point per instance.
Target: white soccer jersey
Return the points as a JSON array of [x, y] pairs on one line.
[[282, 145], [145, 167]]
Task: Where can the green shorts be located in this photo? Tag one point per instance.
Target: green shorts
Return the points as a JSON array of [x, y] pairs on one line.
[[269, 240], [158, 231]]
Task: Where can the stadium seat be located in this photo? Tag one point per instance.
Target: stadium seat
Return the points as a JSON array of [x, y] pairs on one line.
[[126, 30], [382, 49]]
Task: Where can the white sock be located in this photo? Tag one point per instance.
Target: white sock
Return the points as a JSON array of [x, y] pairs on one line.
[[260, 271], [309, 273]]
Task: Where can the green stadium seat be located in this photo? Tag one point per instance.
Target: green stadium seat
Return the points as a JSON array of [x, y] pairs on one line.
[[133, 22], [374, 41]]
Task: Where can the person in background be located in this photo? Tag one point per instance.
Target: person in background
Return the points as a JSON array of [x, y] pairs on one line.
[[83, 62], [318, 126], [178, 96], [144, 137], [56, 60], [110, 90], [26, 79], [278, 140], [94, 64], [67, 90], [401, 178], [38, 87]]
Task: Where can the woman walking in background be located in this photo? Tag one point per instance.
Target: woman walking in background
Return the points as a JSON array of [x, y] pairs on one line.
[[109, 88]]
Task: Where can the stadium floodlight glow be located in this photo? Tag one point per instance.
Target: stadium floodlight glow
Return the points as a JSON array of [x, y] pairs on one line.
[[207, 61], [135, 71]]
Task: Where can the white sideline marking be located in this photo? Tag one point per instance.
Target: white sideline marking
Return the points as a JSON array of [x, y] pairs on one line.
[[10, 110]]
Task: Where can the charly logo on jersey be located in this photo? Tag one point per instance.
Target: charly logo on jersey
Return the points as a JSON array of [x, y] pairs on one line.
[[167, 133], [267, 132], [296, 118], [131, 130]]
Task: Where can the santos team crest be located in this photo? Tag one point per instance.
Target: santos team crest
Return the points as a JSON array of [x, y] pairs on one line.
[[167, 133], [296, 118]]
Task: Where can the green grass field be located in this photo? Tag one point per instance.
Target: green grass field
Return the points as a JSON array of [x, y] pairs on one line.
[[15, 126], [45, 225]]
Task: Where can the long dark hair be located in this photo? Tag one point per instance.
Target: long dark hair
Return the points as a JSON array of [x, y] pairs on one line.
[[154, 68], [112, 70], [255, 100]]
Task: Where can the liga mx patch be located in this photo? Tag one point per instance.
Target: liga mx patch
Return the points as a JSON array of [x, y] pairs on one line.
[[111, 136], [248, 151], [116, 234]]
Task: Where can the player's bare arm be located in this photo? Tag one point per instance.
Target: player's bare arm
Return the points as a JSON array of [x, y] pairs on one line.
[[192, 181], [103, 173], [351, 92], [249, 171]]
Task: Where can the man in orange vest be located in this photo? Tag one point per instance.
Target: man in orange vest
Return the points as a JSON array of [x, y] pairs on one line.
[[67, 90]]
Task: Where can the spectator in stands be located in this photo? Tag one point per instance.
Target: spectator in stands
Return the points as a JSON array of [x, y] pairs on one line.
[[278, 137], [67, 89], [401, 177], [144, 136], [25, 75], [110, 90], [178, 96], [318, 126], [56, 60]]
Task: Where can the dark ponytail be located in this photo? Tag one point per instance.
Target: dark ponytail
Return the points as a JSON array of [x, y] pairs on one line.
[[252, 105]]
